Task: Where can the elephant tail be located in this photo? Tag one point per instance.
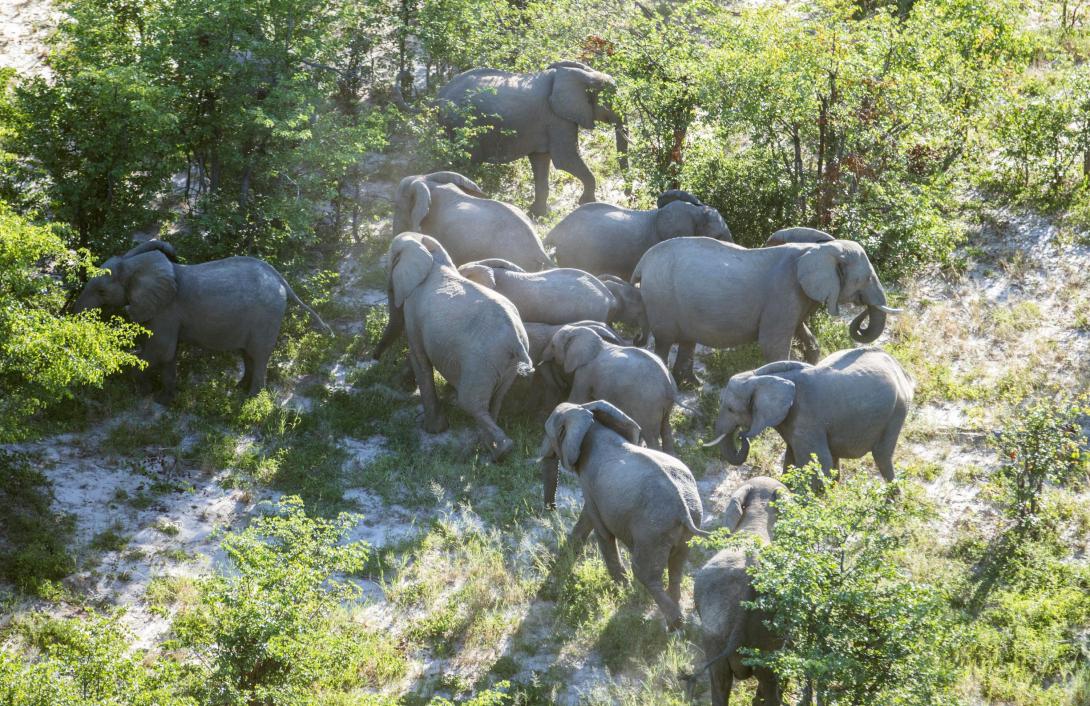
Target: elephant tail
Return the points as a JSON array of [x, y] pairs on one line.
[[524, 365], [688, 516], [315, 318]]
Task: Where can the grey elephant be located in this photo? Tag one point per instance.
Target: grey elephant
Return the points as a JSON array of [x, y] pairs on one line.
[[467, 332], [559, 296], [633, 379], [798, 234], [234, 304], [646, 499], [700, 290], [536, 116], [852, 403], [605, 239], [470, 226], [722, 589]]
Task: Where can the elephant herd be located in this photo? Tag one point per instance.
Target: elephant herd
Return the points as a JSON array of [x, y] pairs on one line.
[[481, 299]]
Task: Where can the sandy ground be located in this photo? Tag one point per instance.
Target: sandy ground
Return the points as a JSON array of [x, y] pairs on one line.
[[24, 26]]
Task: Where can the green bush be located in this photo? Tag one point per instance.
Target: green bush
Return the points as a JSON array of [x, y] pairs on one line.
[[35, 547]]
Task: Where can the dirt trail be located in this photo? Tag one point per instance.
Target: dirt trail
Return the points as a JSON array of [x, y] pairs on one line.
[[24, 27]]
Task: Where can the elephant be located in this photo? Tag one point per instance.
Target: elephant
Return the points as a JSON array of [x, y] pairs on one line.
[[700, 290], [467, 332], [645, 498], [605, 239], [723, 587], [798, 234], [633, 379], [536, 116], [548, 385], [234, 304], [852, 403], [558, 296], [452, 209]]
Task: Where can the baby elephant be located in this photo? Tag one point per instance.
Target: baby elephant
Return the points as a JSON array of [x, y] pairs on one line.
[[644, 498], [234, 304], [558, 296], [633, 379], [851, 403], [723, 586]]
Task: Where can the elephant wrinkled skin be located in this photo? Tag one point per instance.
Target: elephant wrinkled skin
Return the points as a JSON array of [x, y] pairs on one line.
[[537, 116], [646, 499], [852, 403], [722, 588], [234, 304]]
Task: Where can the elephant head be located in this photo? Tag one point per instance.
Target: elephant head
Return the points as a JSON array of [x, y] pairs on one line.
[[572, 347], [412, 200], [565, 430], [838, 272], [409, 262], [750, 403], [577, 95], [627, 308], [483, 272], [141, 283], [680, 217], [752, 506]]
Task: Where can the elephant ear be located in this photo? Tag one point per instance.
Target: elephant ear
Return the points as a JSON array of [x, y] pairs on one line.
[[820, 276], [462, 182], [421, 199], [570, 95], [436, 249], [481, 274], [568, 426], [578, 346], [149, 284], [675, 220], [499, 264], [613, 418], [769, 403], [736, 507], [410, 263]]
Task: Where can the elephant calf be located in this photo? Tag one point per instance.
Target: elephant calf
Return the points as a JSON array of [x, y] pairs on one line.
[[721, 590], [234, 304], [633, 379], [559, 296], [605, 239], [453, 210], [852, 403], [646, 499], [472, 335]]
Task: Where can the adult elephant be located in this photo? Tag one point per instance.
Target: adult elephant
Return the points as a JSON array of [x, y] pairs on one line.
[[467, 332], [852, 403], [234, 304], [537, 116], [700, 290], [607, 239], [470, 226]]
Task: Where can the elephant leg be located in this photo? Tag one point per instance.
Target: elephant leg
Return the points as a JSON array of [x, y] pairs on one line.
[[169, 372], [499, 444], [662, 349], [683, 366], [811, 351], [161, 353], [498, 396], [539, 164], [580, 531], [788, 458], [648, 564], [567, 159], [883, 451], [247, 370], [260, 366], [775, 344], [768, 688], [434, 421], [607, 543], [676, 569], [722, 680], [667, 433]]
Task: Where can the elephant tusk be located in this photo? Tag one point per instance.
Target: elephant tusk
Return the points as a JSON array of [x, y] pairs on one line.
[[888, 309], [714, 442]]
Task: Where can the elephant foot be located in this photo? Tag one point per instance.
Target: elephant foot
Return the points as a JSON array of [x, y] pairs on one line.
[[437, 425], [501, 449], [675, 624], [538, 211]]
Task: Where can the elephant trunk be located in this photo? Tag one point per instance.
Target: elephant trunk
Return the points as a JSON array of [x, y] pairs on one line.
[[550, 470], [868, 326], [394, 327], [622, 143], [733, 448]]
